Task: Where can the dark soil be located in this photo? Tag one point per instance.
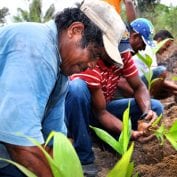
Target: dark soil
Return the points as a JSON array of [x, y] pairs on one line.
[[151, 159]]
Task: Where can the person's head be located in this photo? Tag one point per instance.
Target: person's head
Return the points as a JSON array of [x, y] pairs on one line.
[[162, 35], [85, 31], [141, 34]]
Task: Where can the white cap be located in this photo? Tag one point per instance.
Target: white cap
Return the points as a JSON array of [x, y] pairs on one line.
[[110, 23]]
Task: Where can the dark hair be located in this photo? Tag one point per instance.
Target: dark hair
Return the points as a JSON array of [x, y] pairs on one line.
[[163, 34], [92, 34]]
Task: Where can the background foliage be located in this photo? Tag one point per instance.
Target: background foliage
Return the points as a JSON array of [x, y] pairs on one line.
[[162, 17]]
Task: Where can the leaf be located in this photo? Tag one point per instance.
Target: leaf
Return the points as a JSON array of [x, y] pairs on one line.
[[156, 122], [121, 169], [106, 137], [20, 167], [55, 170], [171, 135], [146, 59], [66, 157], [159, 133], [126, 131]]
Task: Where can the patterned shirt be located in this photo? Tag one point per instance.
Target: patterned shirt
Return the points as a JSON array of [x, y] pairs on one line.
[[107, 78]]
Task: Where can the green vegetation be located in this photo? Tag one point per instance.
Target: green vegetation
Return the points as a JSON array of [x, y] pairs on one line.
[[122, 143], [161, 16], [34, 13], [64, 162], [3, 13], [123, 168]]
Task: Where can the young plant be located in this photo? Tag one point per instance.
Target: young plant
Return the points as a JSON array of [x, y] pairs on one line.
[[124, 168], [148, 75], [147, 60], [64, 162], [122, 143], [162, 133]]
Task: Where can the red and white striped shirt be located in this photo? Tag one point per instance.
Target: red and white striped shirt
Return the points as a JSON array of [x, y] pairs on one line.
[[107, 78]]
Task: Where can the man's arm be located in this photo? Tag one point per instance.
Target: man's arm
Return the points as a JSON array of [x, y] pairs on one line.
[[130, 10], [142, 96], [32, 158], [108, 120]]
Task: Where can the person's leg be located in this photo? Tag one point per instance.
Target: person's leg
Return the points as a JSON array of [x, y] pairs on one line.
[[11, 171], [117, 107], [78, 111]]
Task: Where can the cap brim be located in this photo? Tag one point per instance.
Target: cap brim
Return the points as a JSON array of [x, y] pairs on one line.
[[112, 51], [148, 42]]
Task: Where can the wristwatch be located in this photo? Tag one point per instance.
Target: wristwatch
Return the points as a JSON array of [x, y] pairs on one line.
[[143, 115]]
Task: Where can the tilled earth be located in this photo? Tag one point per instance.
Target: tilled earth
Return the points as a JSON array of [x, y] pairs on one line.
[[151, 159]]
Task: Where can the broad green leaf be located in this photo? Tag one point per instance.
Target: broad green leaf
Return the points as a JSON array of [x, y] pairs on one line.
[[54, 168], [155, 80], [130, 169], [122, 166], [146, 59], [159, 133], [174, 78], [107, 138], [65, 156], [171, 135], [126, 131], [20, 167]]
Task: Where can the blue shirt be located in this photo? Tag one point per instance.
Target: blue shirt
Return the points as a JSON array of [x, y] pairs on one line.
[[32, 87]]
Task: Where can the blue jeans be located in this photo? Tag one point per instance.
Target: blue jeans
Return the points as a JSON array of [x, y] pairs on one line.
[[79, 116], [11, 171]]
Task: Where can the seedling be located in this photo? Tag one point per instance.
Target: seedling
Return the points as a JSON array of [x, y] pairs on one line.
[[162, 133], [147, 60], [122, 143], [64, 162]]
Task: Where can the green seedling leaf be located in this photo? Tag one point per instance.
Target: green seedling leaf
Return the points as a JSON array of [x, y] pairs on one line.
[[65, 156], [121, 169], [130, 169], [107, 138], [157, 121], [171, 135], [124, 138], [54, 168], [174, 78], [146, 59], [155, 80], [23, 169], [159, 133]]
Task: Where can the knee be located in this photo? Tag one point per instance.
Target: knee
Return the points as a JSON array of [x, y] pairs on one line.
[[157, 106], [78, 89]]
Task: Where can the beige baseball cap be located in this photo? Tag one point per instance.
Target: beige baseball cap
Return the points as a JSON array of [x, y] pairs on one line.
[[110, 23]]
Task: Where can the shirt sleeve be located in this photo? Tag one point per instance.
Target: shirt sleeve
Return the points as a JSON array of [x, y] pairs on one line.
[[130, 69], [91, 76]]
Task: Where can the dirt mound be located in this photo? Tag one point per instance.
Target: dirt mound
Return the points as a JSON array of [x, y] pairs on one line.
[[151, 159]]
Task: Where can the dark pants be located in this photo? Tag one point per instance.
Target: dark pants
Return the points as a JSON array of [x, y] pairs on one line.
[[10, 171]]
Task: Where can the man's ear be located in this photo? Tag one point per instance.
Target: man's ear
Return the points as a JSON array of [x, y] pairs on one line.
[[76, 28]]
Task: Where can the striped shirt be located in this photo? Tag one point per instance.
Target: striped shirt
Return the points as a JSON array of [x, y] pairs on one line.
[[107, 78]]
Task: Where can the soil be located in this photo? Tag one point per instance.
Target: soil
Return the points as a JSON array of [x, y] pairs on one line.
[[151, 159]]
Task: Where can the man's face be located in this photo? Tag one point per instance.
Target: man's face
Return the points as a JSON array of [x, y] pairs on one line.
[[75, 58], [136, 42]]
